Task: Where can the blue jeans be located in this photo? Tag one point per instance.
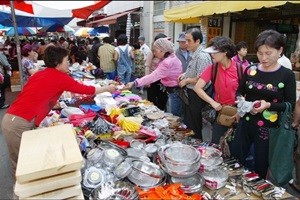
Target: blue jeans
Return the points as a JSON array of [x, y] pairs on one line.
[[111, 75], [175, 103], [124, 76]]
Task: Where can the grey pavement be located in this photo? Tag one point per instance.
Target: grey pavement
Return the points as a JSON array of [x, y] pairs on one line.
[[6, 177], [7, 180]]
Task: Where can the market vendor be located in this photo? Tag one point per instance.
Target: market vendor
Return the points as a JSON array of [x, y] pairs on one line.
[[167, 71], [39, 96]]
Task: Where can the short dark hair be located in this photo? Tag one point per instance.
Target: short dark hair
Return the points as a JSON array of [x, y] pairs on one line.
[[79, 57], [122, 39], [160, 35], [62, 39], [270, 38], [196, 34], [53, 41], [106, 40], [111, 39], [136, 46], [241, 45], [223, 44], [96, 39], [54, 55], [72, 42]]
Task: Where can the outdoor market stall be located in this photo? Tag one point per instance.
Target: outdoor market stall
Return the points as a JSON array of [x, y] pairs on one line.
[[126, 148]]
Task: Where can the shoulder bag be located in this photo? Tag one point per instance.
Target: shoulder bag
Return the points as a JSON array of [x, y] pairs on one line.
[[225, 115], [281, 148]]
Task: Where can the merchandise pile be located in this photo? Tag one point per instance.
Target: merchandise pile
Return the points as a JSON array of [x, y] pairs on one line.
[[132, 150]]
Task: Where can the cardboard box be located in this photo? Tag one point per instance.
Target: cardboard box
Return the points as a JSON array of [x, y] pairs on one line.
[[47, 152], [44, 185], [15, 88]]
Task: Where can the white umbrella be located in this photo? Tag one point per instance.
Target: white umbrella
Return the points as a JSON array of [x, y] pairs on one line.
[[128, 27], [83, 32]]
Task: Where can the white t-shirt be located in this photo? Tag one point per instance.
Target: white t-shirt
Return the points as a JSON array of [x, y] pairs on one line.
[[145, 50], [284, 61], [123, 47]]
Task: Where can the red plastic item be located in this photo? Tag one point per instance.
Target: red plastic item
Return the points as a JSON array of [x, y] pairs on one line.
[[121, 143], [257, 104]]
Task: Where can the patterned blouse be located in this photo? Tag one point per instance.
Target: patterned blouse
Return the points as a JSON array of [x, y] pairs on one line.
[[27, 65], [139, 64]]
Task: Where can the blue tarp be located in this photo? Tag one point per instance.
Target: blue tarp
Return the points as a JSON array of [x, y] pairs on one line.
[[100, 29], [24, 21]]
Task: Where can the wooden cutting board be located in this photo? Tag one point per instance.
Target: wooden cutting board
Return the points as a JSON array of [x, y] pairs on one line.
[[63, 193], [47, 184], [46, 152]]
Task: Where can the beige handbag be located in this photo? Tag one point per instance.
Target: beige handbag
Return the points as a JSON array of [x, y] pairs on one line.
[[225, 115]]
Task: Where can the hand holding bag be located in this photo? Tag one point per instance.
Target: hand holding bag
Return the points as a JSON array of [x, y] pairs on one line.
[[281, 147], [225, 115]]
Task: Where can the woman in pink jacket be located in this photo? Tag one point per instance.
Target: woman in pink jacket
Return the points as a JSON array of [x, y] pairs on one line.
[[167, 71]]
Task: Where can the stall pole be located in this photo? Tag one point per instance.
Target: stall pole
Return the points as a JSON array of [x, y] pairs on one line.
[[12, 7]]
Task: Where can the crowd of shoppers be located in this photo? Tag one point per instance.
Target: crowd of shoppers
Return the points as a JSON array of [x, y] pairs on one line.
[[163, 70]]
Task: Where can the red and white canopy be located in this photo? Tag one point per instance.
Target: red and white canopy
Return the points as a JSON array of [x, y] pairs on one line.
[[33, 9]]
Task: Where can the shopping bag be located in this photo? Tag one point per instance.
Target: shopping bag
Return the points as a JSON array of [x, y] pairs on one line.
[[224, 142], [281, 146]]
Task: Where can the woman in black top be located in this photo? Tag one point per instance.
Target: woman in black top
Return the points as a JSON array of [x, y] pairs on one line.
[[270, 85]]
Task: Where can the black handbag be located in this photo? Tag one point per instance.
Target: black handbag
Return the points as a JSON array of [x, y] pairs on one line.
[[281, 148], [209, 113]]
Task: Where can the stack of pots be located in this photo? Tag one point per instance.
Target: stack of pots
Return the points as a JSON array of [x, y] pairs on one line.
[[182, 163], [215, 177]]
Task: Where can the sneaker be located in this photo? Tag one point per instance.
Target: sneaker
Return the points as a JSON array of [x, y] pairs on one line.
[[4, 106]]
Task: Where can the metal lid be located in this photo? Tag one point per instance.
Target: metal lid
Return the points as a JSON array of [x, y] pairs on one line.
[[123, 170]]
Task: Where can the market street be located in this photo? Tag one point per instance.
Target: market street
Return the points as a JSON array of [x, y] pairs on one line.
[[6, 181]]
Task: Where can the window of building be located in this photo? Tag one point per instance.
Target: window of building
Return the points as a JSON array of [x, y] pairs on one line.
[[159, 7]]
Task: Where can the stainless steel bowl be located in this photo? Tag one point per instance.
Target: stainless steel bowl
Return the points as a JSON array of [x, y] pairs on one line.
[[136, 153], [145, 173], [178, 165], [180, 174], [190, 185], [181, 153], [209, 152]]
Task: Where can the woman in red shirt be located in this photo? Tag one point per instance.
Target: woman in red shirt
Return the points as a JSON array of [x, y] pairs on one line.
[[39, 96]]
